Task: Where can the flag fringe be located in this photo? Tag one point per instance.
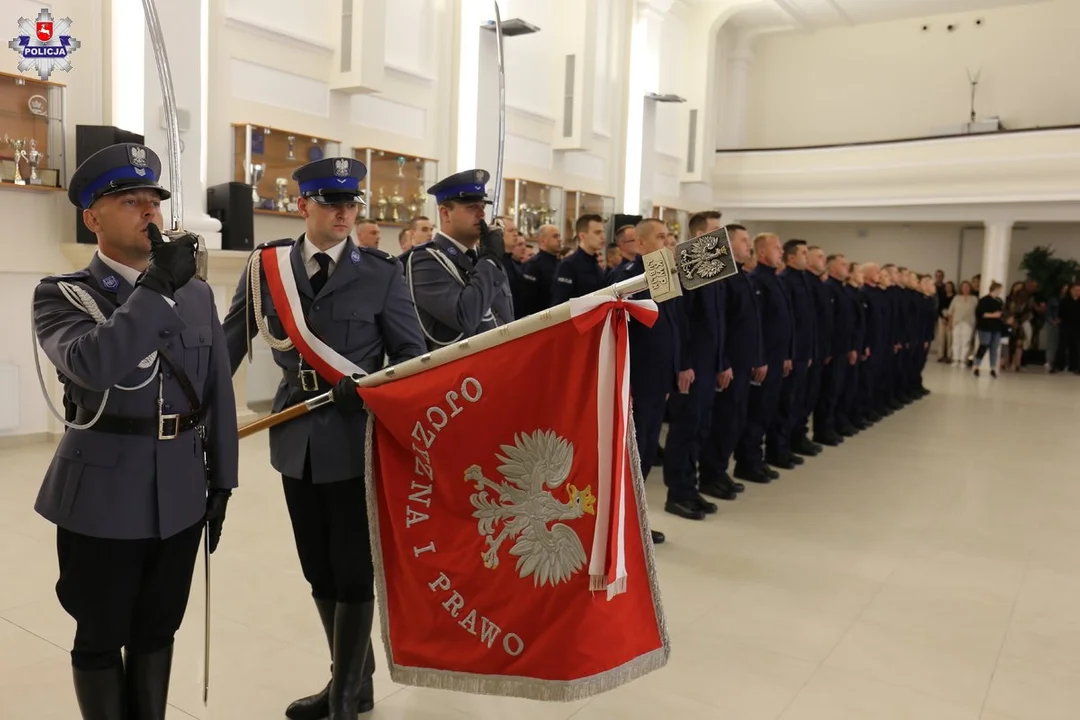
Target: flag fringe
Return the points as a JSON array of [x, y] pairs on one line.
[[521, 687]]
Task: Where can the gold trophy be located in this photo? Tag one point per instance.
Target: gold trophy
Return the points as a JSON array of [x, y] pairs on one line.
[[396, 201], [282, 202], [17, 144], [33, 159], [381, 204]]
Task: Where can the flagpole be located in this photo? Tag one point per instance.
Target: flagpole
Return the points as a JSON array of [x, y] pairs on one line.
[[700, 261]]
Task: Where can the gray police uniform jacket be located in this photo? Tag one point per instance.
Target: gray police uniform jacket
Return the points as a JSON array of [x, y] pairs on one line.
[[364, 313], [455, 298], [110, 485]]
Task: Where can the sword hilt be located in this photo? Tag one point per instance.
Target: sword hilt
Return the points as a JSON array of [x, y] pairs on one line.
[[202, 255]]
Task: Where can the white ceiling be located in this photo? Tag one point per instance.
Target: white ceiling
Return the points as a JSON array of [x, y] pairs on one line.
[[818, 14]]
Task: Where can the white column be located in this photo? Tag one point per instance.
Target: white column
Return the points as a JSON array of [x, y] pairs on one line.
[[477, 143], [740, 60], [187, 40], [646, 40], [995, 260]]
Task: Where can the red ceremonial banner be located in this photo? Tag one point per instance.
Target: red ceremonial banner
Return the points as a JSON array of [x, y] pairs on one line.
[[512, 552]]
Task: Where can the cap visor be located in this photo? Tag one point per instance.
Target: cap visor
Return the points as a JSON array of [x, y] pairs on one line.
[[135, 185], [337, 198]]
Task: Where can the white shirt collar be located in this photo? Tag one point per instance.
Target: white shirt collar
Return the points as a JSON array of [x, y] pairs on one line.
[[130, 274], [459, 246], [309, 251]]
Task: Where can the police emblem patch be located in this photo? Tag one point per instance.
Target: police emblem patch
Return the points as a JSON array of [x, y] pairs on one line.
[[44, 44], [451, 251], [110, 282], [355, 256], [341, 167], [138, 156]]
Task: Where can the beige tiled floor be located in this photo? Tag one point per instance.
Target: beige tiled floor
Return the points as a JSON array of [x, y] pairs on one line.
[[927, 570]]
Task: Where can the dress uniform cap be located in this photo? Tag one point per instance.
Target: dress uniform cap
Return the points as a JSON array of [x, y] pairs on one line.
[[467, 185], [116, 168], [332, 180]]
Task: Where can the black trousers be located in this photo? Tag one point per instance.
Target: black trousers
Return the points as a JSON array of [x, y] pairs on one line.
[[1068, 351], [728, 421], [761, 411], [833, 377], [691, 415], [124, 593], [790, 413], [801, 428], [648, 406], [330, 527]]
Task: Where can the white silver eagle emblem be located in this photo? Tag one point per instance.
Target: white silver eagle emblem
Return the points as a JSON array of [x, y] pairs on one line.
[[138, 156], [341, 167], [545, 547]]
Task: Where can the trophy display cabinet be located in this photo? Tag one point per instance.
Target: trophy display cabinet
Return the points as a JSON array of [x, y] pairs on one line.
[[266, 157], [582, 203], [676, 220], [31, 133], [532, 204], [396, 186]]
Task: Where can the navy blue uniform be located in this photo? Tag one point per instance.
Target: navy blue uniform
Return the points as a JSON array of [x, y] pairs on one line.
[[849, 410], [743, 351], [537, 277], [835, 374], [900, 336], [777, 338], [881, 348], [655, 362], [823, 358], [577, 274], [795, 388], [691, 413]]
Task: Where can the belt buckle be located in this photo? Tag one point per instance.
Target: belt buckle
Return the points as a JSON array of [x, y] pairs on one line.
[[309, 380], [168, 427]]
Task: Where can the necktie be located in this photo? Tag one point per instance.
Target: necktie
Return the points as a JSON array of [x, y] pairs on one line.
[[471, 254], [318, 280]]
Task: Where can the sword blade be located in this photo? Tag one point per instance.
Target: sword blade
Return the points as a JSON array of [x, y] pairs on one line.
[[497, 194], [157, 39]]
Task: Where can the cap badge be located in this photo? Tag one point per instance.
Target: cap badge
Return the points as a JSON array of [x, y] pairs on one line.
[[138, 156], [341, 167], [480, 176]]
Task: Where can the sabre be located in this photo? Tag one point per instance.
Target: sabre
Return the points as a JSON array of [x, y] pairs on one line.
[[696, 262], [176, 210], [172, 129], [497, 193]]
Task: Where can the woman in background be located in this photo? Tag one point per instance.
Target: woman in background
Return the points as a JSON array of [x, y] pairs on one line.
[[961, 317], [1019, 310], [943, 322], [990, 326]]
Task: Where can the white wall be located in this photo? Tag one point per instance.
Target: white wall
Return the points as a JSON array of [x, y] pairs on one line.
[[891, 80], [955, 248]]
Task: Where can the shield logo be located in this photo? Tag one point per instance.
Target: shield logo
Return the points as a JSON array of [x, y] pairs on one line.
[[44, 31]]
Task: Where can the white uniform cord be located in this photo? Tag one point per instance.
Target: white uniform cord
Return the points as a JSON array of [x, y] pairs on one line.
[[81, 299], [489, 316], [254, 274]]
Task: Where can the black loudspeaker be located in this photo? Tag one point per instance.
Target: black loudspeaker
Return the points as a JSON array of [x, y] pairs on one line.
[[618, 220], [231, 204], [88, 140]]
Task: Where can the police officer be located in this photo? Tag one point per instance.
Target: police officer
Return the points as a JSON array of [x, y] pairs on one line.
[[151, 447], [901, 337], [843, 349], [743, 361], [538, 273], [794, 391], [850, 409], [458, 280], [690, 407], [777, 341], [654, 353], [356, 301], [580, 272]]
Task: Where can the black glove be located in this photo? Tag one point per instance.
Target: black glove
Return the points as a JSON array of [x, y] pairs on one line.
[[492, 244], [346, 398], [216, 502], [172, 263]]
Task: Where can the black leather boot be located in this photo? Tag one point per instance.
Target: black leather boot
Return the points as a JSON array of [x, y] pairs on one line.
[[148, 684], [352, 640], [317, 706], [100, 693], [367, 687]]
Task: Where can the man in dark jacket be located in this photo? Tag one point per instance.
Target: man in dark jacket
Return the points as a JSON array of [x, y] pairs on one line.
[[843, 351], [793, 393]]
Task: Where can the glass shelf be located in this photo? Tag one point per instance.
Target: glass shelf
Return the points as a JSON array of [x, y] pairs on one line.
[[31, 132], [582, 203], [396, 186], [266, 158], [532, 204]]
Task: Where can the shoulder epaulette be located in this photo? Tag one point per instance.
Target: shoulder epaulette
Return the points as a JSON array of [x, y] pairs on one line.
[[77, 275], [276, 243], [381, 254]]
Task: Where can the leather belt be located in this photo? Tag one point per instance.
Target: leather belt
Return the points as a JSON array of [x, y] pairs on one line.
[[306, 380], [165, 427]]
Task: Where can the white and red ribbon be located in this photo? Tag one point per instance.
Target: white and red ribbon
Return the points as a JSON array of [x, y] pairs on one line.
[[323, 359], [607, 562]]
